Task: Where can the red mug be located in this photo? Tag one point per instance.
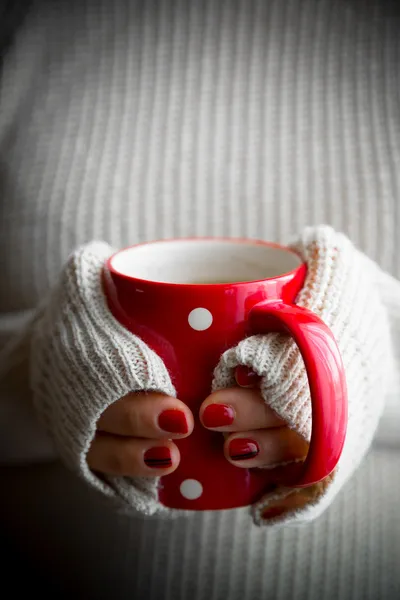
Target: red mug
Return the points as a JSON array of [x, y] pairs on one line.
[[190, 300]]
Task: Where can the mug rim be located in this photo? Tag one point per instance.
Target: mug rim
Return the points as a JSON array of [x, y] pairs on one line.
[[235, 240]]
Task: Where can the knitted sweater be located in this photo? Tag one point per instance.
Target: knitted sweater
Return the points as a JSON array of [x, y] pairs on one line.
[[129, 121]]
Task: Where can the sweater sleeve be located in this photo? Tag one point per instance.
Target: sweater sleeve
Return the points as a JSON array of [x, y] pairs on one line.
[[359, 303], [388, 432], [23, 439], [67, 365]]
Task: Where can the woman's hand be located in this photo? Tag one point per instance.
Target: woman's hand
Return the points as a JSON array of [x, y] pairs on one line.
[[254, 435], [135, 436]]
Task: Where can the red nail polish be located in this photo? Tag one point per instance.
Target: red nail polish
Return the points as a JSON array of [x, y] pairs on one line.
[[173, 421], [158, 458], [218, 415], [243, 449], [245, 377]]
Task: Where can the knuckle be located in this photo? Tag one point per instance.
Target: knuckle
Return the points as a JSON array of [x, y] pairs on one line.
[[125, 459], [115, 462], [132, 418]]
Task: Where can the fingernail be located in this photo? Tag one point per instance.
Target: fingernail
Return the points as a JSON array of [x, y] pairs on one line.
[[158, 458], [218, 415], [243, 449], [245, 377], [173, 421]]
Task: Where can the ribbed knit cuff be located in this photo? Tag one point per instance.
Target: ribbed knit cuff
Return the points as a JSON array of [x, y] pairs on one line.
[[83, 360], [341, 287]]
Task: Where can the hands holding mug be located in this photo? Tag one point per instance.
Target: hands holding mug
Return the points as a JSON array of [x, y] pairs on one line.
[[190, 301], [136, 434], [163, 329]]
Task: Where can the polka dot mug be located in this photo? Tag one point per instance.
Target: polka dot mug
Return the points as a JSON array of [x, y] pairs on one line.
[[192, 299]]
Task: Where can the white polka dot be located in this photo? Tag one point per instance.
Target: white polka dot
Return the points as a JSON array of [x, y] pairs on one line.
[[191, 489], [200, 319]]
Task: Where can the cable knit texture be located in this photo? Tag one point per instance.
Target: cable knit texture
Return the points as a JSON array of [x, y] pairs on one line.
[[342, 288], [128, 121], [82, 360]]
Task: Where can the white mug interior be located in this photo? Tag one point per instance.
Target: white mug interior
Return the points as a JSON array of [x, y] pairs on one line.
[[205, 261]]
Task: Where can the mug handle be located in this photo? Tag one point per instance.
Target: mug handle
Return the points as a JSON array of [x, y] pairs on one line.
[[326, 378]]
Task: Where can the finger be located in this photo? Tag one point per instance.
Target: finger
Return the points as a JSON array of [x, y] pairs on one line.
[[265, 448], [284, 505], [237, 409], [132, 457], [246, 378], [150, 415]]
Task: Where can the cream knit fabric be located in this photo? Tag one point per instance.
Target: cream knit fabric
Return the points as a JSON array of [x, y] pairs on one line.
[[341, 287], [127, 121], [82, 360]]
